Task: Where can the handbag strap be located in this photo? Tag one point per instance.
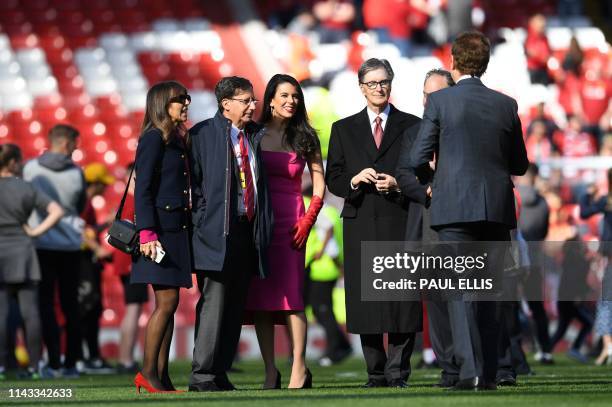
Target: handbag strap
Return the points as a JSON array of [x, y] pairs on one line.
[[127, 186]]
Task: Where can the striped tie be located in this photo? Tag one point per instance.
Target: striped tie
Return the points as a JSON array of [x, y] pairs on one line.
[[245, 168]]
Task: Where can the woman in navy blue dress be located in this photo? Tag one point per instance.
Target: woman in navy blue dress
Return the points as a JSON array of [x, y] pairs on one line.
[[162, 217]]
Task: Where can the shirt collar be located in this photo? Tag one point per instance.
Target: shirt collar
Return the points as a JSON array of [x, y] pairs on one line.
[[465, 77], [236, 131], [383, 115]]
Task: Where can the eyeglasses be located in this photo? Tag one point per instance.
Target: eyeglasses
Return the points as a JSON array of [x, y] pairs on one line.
[[246, 102], [385, 83], [182, 99]]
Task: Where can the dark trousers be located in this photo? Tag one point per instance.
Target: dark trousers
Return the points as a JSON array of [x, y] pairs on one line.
[[90, 302], [512, 359], [484, 315], [319, 296], [540, 319], [26, 295], [452, 336], [532, 289], [220, 309], [61, 269], [395, 363], [569, 310]]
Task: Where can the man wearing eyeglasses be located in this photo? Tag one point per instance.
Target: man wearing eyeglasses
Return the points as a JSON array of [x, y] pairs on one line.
[[362, 157], [232, 220]]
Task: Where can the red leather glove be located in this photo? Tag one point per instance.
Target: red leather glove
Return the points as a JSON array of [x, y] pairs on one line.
[[301, 229]]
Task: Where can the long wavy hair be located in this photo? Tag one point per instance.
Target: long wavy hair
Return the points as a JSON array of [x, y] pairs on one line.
[[156, 111], [299, 134]]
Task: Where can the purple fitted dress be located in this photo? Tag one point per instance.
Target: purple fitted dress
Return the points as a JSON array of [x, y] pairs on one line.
[[282, 289]]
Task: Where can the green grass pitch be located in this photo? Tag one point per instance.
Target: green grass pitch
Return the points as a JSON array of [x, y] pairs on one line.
[[564, 384]]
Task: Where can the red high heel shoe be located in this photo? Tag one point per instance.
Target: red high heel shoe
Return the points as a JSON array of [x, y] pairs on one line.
[[141, 381]]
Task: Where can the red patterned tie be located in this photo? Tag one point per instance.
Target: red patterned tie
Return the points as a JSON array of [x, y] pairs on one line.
[[378, 131], [245, 168]]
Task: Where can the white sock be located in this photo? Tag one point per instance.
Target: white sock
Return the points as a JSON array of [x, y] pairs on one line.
[[428, 355]]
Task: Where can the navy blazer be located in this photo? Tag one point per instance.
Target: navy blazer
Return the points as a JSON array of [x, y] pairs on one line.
[[161, 196], [161, 201], [477, 135], [214, 188]]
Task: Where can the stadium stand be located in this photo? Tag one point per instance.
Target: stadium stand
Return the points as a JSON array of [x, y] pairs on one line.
[[91, 62]]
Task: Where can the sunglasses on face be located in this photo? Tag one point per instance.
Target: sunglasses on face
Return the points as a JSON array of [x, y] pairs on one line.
[[374, 84], [182, 99]]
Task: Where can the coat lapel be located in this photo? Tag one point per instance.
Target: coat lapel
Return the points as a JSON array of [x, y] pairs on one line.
[[393, 130], [364, 136]]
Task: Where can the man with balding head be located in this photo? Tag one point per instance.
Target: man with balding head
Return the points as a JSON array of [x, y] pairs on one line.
[[435, 80], [441, 325]]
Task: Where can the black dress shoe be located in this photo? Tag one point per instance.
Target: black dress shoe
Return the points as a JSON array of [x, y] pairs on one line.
[[464, 385], [447, 381], [372, 383], [204, 386], [487, 386], [307, 382], [506, 380], [224, 384], [398, 383]]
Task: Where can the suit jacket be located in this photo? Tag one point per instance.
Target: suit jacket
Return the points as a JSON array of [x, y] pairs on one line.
[[368, 215], [477, 135], [161, 203], [214, 187], [412, 189], [161, 196]]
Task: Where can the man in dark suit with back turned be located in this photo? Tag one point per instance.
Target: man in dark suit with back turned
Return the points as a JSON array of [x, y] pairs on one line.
[[363, 152], [453, 352], [477, 137]]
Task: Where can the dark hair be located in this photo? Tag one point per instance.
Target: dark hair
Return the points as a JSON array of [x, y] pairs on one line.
[[299, 134], [440, 72], [471, 51], [62, 132], [226, 88], [610, 181], [131, 165], [156, 110], [373, 64], [9, 152]]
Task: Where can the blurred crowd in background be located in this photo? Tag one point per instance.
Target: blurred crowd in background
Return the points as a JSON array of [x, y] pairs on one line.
[[550, 55]]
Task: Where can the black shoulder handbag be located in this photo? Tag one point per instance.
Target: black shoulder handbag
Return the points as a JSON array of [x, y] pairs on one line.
[[122, 233]]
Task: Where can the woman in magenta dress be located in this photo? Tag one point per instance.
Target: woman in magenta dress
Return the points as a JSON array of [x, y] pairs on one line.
[[290, 143]]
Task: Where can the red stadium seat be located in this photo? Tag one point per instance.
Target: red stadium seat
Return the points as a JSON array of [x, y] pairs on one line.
[[7, 5], [6, 134], [69, 17], [66, 4], [13, 17]]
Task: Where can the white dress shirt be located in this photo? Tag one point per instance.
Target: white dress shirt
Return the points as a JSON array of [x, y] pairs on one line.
[[384, 115], [236, 146]]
